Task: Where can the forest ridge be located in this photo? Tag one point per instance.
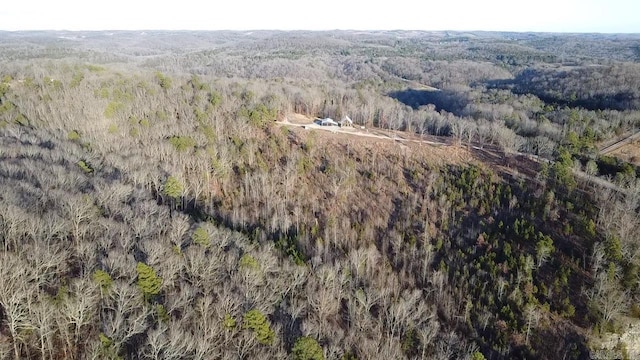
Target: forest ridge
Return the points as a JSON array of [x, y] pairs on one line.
[[152, 207]]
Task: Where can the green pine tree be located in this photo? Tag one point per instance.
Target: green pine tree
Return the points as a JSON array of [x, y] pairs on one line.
[[103, 279], [201, 237], [148, 281], [172, 188], [259, 324], [307, 348]]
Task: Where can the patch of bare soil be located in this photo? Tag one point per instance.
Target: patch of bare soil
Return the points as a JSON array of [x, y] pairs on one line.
[[629, 152], [436, 154], [298, 119]]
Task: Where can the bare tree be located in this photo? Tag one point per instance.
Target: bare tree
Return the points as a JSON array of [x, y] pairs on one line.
[[458, 129], [509, 140], [427, 334], [125, 314], [18, 320], [15, 299], [44, 323], [165, 342], [483, 134], [532, 316], [78, 311], [79, 211], [607, 296]]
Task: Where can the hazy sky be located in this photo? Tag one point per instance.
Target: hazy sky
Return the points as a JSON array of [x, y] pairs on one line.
[[504, 15]]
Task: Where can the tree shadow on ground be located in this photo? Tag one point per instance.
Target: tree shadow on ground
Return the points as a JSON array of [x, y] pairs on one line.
[[446, 100]]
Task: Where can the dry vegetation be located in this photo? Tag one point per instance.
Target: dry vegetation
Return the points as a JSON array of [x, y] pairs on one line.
[[629, 153], [152, 209]]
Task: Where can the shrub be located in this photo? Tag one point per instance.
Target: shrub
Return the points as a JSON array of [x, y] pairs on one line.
[[145, 122], [94, 68], [164, 81], [215, 99], [112, 109], [73, 135], [76, 80], [85, 166], [249, 262], [21, 120], [182, 143]]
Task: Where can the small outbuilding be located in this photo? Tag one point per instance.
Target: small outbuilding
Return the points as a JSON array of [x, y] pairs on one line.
[[346, 121]]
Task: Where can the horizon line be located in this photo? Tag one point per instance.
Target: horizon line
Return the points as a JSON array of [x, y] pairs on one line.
[[329, 30]]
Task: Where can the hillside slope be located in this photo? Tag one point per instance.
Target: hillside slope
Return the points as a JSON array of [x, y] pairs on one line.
[[154, 215]]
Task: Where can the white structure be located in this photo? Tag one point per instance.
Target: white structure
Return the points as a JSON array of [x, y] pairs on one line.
[[346, 121], [328, 122]]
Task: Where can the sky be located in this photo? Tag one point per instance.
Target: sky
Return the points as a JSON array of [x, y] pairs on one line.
[[605, 16]]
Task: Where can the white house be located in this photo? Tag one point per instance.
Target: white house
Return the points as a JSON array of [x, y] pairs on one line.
[[328, 122]]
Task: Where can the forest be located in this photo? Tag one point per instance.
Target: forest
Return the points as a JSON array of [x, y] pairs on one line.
[[154, 203]]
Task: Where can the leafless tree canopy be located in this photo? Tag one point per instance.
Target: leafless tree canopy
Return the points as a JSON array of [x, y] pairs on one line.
[[150, 208]]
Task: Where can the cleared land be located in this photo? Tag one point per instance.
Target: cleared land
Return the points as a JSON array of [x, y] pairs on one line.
[[629, 152], [442, 150], [309, 123]]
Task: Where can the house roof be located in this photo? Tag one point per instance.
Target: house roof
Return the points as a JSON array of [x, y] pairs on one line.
[[329, 121]]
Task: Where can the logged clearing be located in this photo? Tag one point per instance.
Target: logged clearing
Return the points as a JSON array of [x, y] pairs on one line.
[[629, 152], [437, 154], [440, 150], [434, 149], [309, 123]]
